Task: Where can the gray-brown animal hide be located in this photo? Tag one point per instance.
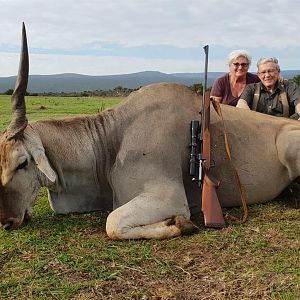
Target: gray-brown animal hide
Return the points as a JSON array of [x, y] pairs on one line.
[[264, 153], [134, 159]]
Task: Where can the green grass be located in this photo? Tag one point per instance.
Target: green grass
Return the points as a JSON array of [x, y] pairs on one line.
[[70, 257], [55, 107]]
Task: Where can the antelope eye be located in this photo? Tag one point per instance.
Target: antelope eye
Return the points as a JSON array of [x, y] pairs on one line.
[[22, 165]]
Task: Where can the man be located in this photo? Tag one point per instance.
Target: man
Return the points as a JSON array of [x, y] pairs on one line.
[[270, 96]]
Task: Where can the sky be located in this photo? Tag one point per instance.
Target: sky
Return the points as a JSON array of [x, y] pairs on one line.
[[97, 37]]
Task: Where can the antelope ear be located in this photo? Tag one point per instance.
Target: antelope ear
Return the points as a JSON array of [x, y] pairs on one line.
[[35, 147], [43, 164]]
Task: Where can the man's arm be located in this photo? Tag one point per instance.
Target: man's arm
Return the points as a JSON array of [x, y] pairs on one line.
[[243, 104], [297, 110], [293, 93]]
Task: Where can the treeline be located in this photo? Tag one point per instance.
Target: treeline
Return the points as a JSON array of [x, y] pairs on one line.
[[118, 91]]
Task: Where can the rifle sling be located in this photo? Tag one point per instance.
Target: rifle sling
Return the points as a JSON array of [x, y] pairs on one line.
[[244, 218], [284, 101], [206, 132], [211, 208], [256, 96]]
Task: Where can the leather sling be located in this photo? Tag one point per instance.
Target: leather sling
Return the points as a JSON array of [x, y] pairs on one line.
[[284, 101], [231, 217], [282, 97]]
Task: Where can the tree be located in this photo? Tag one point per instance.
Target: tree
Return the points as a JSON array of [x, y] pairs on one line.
[[297, 80], [9, 92], [197, 87]]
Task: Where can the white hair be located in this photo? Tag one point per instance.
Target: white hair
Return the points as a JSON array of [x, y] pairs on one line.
[[239, 53], [273, 60]]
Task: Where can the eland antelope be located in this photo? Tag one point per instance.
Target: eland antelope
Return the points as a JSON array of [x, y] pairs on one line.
[[133, 160]]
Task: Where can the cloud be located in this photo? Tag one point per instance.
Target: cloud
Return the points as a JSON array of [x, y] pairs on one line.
[[139, 35]]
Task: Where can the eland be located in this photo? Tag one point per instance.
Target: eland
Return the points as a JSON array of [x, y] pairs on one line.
[[133, 160]]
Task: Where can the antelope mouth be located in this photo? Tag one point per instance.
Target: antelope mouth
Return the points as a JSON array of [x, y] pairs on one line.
[[14, 223], [7, 225]]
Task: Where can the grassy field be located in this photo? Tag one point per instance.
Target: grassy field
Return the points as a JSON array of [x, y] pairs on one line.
[[55, 107], [70, 256]]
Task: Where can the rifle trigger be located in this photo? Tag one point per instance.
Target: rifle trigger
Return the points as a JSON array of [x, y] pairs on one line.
[[212, 164]]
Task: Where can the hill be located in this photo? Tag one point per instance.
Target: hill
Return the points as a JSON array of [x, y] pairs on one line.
[[70, 82]]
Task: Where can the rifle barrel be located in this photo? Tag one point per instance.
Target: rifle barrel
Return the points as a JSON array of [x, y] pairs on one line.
[[206, 48]]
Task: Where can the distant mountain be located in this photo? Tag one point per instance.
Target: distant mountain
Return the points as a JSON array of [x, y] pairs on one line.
[[70, 82]]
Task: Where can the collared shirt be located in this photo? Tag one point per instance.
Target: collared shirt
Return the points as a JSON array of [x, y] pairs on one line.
[[268, 102]]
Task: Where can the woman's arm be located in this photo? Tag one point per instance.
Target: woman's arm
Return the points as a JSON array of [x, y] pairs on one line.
[[243, 104]]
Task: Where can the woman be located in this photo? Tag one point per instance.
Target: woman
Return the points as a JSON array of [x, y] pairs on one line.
[[228, 88]]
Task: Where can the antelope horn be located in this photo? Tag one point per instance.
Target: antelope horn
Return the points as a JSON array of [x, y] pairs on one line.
[[19, 121]]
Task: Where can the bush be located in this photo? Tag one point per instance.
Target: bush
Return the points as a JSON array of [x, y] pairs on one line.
[[9, 92], [297, 80]]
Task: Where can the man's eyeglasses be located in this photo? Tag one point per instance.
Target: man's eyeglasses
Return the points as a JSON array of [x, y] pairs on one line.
[[243, 65], [265, 72]]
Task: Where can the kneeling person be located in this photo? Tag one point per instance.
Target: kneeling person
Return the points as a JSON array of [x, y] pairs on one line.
[[270, 96]]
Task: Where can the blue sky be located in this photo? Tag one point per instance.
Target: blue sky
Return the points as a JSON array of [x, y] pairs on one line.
[[97, 37]]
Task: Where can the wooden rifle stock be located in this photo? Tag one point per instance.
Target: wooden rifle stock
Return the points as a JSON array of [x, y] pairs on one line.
[[211, 208]]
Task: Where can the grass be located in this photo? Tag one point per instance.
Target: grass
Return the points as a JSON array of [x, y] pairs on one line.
[[70, 257], [55, 107]]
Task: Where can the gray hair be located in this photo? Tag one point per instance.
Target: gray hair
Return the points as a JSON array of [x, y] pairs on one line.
[[238, 53], [273, 60]]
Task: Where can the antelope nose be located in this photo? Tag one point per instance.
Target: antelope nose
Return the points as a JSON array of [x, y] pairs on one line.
[[8, 225], [11, 223]]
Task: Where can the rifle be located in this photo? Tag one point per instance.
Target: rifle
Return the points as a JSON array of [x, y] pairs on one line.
[[200, 155]]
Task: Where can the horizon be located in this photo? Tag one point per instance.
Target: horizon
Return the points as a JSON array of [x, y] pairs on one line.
[[74, 82], [107, 75]]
